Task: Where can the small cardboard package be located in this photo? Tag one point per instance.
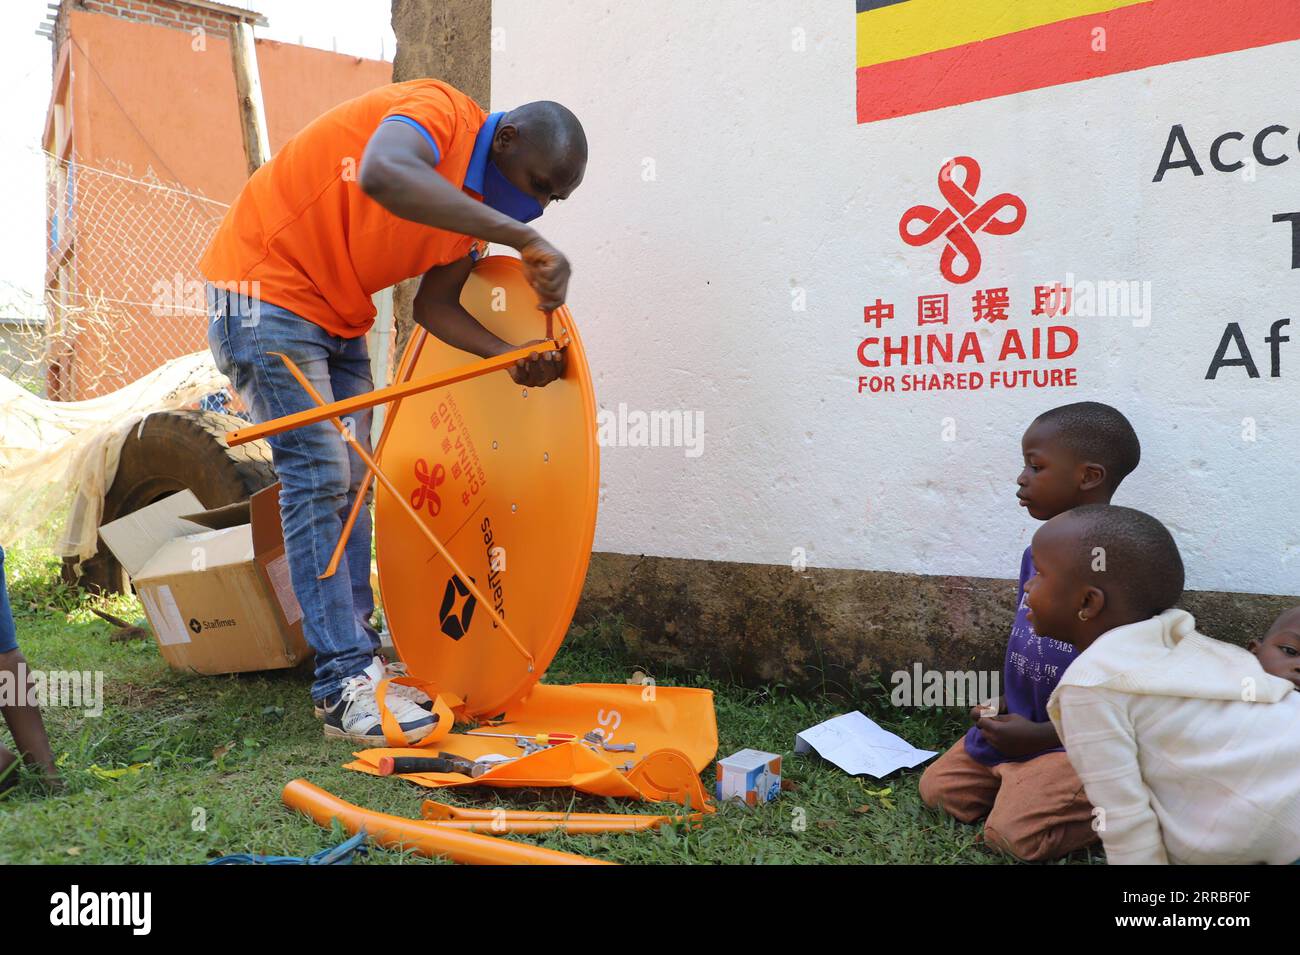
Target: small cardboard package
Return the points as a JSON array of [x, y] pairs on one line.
[[749, 776], [214, 584]]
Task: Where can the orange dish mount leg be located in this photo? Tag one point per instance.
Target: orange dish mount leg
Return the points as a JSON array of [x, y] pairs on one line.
[[424, 838]]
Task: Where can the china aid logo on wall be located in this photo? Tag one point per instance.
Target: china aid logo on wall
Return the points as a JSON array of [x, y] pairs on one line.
[[961, 220]]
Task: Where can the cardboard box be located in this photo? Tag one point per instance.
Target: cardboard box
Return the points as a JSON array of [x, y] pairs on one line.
[[214, 584], [749, 776]]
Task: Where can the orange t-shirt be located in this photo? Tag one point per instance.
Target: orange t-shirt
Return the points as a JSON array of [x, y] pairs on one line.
[[302, 234]]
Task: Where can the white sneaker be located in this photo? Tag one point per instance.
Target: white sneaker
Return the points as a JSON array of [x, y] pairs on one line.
[[392, 671], [354, 714], [397, 669]]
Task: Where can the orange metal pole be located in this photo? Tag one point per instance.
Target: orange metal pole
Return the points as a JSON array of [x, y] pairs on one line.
[[346, 406], [425, 839], [403, 374], [525, 827], [406, 506], [441, 812]]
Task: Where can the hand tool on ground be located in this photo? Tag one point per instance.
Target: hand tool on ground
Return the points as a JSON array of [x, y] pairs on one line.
[[540, 739], [485, 764], [442, 763], [597, 738]]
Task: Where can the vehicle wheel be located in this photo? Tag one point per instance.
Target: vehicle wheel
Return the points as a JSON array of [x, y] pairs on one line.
[[174, 450]]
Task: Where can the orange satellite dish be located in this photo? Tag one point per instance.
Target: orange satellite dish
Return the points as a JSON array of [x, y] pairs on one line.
[[507, 478]]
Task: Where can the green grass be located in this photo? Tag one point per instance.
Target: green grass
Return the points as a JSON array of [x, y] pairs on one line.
[[211, 755]]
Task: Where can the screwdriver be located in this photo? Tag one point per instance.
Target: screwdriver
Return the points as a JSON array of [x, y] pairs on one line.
[[541, 739]]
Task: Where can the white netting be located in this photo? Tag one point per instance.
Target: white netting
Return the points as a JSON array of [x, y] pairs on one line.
[[60, 457]]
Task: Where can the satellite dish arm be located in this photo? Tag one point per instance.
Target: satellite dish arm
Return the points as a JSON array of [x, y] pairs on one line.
[[406, 505]]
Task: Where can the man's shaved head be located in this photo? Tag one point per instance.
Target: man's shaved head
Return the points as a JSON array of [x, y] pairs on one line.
[[542, 149], [552, 127]]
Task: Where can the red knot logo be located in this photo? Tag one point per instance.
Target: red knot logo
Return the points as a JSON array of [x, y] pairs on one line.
[[962, 220], [424, 492]]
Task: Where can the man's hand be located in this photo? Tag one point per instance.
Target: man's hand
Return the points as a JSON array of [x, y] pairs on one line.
[[538, 369], [547, 271], [1014, 735]]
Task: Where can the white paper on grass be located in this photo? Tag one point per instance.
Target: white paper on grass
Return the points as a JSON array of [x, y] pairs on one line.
[[857, 745]]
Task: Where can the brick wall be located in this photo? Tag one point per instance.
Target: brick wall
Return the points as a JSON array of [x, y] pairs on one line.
[[168, 13]]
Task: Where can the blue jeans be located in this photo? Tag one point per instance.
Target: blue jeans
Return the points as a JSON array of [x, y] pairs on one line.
[[8, 636], [319, 473]]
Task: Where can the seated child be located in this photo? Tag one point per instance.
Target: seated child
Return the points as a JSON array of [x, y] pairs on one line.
[[1188, 749], [24, 721], [1010, 765], [1279, 652]]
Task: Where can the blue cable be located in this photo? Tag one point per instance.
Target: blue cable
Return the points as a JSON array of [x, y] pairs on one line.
[[340, 854]]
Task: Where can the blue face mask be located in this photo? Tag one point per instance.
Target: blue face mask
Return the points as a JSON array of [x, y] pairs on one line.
[[507, 198]]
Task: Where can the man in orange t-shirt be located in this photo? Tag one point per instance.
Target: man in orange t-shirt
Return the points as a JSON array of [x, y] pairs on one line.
[[409, 179]]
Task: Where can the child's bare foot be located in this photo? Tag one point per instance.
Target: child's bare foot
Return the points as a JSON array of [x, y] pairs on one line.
[[8, 769], [10, 772]]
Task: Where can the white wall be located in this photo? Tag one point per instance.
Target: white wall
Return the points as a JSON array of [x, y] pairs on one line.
[[766, 182]]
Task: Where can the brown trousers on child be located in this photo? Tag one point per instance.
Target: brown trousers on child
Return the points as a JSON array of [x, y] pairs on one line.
[[1037, 809]]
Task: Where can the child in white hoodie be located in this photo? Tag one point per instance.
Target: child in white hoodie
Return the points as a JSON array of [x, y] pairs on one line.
[[1188, 749]]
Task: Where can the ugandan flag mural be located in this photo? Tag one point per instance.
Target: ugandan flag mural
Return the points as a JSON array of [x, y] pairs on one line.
[[918, 55]]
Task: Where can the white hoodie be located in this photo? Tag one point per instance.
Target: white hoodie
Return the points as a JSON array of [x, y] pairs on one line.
[[1189, 750]]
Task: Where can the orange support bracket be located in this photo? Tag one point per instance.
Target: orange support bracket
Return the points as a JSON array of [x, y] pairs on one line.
[[403, 374], [384, 479], [443, 813], [419, 836], [346, 406]]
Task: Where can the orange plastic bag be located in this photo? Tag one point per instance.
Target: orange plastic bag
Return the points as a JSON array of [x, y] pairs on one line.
[[664, 775], [655, 719], [652, 717]]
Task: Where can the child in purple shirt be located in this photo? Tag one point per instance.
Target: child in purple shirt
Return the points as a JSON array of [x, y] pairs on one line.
[[1030, 672], [1010, 765]]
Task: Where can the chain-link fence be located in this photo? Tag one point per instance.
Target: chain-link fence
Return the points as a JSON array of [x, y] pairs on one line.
[[118, 331], [123, 293]]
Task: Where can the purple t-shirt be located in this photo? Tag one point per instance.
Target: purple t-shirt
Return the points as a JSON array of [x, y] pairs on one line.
[[1033, 667]]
